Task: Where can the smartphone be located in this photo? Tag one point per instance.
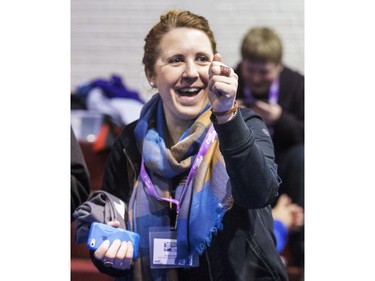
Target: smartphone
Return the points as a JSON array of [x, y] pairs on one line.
[[99, 232]]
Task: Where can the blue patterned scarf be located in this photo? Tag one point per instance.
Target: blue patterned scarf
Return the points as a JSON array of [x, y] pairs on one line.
[[208, 196]]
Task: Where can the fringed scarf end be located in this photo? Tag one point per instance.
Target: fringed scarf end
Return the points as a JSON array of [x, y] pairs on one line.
[[213, 231]]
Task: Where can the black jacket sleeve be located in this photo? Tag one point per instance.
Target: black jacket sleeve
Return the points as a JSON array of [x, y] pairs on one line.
[[289, 129], [249, 156]]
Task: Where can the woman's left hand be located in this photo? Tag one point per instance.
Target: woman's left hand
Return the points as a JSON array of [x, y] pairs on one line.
[[118, 254], [222, 85]]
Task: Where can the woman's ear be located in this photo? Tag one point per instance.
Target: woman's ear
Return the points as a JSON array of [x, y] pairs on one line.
[[150, 78]]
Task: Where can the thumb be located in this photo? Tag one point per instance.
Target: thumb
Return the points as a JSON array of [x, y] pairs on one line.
[[217, 57], [115, 223]]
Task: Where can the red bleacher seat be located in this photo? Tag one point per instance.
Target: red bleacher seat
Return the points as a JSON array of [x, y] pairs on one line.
[[81, 266]]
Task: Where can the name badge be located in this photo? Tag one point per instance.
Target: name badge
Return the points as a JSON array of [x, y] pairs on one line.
[[163, 250]]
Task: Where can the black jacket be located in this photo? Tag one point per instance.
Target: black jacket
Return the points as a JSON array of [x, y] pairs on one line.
[[245, 249]]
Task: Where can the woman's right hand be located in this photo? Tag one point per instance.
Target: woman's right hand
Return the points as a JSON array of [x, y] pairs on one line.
[[118, 254], [222, 86]]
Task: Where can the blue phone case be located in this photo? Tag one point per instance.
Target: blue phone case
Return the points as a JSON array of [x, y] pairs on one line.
[[100, 232]]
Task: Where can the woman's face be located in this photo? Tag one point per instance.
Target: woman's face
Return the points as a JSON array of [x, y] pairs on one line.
[[181, 73]]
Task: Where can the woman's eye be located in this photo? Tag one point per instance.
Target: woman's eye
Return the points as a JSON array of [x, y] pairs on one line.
[[203, 59], [175, 60]]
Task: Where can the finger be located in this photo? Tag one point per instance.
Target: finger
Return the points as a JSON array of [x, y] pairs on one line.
[[124, 248], [127, 263], [300, 219], [219, 79], [130, 251], [124, 256], [222, 89], [217, 57], [231, 80], [297, 221], [220, 70], [214, 69], [215, 65], [123, 264], [117, 263], [296, 208], [129, 255], [114, 223], [100, 252], [284, 200], [225, 70], [113, 249], [298, 216]]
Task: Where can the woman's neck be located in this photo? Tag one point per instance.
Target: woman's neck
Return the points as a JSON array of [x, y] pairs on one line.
[[174, 131]]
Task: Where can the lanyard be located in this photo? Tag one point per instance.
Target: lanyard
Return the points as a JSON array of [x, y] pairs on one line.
[[150, 188], [273, 96]]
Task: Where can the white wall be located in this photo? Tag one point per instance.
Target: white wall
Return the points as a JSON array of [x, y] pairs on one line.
[[107, 36]]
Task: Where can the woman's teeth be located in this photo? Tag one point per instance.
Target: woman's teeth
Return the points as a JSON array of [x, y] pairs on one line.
[[189, 91]]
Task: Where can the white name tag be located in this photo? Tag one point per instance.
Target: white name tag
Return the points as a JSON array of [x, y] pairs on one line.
[[163, 250]]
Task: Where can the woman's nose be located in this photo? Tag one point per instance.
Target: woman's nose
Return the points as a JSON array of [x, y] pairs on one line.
[[191, 70]]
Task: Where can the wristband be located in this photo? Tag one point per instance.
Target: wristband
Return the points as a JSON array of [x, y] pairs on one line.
[[229, 111]]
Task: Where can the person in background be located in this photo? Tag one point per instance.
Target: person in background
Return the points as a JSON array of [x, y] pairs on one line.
[[276, 93], [79, 175], [194, 166]]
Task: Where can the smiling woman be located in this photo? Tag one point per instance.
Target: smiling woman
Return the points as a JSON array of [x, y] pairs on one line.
[[197, 183], [181, 75]]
